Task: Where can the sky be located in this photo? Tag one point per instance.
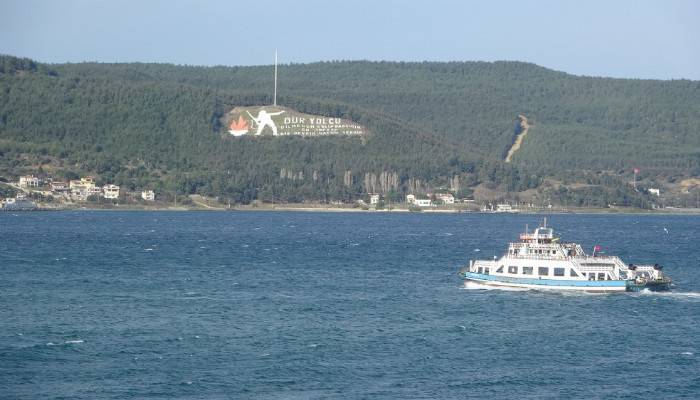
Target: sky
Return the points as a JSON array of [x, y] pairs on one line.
[[614, 38]]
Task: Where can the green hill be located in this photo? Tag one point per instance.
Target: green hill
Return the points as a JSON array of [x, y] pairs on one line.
[[160, 125]]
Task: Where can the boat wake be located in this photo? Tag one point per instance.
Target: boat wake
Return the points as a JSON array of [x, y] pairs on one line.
[[470, 285], [671, 294]]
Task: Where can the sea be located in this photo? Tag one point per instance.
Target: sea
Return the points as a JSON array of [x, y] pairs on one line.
[[311, 305]]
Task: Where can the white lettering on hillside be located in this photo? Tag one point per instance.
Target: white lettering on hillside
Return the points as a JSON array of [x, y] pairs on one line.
[[265, 123]]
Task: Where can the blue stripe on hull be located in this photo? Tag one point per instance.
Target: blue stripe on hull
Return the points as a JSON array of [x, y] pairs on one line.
[[543, 282]]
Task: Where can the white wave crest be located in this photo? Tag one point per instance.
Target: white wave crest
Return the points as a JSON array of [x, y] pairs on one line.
[[671, 294], [470, 285]]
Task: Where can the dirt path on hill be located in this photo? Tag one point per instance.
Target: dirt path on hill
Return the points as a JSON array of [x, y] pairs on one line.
[[525, 126]]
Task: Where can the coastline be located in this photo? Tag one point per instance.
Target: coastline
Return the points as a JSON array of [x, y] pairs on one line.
[[340, 209]]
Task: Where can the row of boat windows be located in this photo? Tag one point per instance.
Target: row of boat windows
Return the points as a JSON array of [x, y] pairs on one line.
[[544, 271], [534, 251]]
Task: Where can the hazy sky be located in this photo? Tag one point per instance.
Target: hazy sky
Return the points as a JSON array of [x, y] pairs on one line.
[[619, 38]]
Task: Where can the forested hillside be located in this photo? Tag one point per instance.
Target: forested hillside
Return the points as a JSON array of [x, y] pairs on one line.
[[160, 126]]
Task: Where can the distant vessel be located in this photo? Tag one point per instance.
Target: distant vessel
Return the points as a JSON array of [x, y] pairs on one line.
[[540, 261]]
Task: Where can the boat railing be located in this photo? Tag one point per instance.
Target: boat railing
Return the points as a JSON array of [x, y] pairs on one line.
[[536, 257]]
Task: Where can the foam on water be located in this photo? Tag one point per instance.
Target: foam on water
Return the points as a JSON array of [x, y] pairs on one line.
[[670, 294], [470, 285]]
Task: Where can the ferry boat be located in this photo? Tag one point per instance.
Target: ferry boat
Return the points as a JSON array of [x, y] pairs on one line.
[[540, 261]]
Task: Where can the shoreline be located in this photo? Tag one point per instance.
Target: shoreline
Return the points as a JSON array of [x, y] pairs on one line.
[[335, 209]]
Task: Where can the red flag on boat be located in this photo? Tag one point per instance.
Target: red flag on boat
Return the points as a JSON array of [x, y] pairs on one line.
[[596, 248], [636, 170]]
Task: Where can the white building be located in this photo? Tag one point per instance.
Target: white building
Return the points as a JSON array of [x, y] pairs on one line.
[[410, 199], [373, 199], [423, 202], [84, 194], [654, 191], [82, 184], [506, 208], [110, 191], [28, 181], [59, 186], [446, 198], [148, 195]]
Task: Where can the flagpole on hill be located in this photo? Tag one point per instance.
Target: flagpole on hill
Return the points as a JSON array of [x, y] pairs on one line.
[[275, 97]]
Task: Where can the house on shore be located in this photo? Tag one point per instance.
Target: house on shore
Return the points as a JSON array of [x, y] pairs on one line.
[[446, 198], [59, 186], [110, 191], [81, 189], [411, 199], [28, 181], [148, 195]]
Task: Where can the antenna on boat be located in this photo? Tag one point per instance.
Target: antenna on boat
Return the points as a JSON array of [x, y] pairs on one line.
[[545, 222], [526, 229]]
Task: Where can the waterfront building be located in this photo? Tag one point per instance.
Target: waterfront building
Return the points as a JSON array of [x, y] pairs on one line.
[[83, 188], [28, 181], [423, 202], [110, 191], [148, 195], [446, 198], [59, 186]]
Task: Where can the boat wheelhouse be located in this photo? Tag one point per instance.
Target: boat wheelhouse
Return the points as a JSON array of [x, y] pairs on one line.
[[540, 261]]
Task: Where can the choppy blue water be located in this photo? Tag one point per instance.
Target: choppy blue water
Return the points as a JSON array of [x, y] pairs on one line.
[[189, 305]]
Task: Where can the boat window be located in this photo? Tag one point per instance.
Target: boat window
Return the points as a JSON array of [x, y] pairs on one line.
[[601, 276], [500, 269], [481, 270], [591, 276], [527, 270], [512, 269], [487, 270], [543, 271], [573, 273], [559, 271]]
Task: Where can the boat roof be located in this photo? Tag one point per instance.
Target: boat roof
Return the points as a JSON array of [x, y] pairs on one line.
[[542, 234]]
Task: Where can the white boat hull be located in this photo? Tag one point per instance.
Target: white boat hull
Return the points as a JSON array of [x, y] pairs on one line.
[[547, 284]]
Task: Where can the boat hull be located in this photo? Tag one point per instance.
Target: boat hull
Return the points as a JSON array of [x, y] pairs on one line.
[[661, 285], [546, 284]]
